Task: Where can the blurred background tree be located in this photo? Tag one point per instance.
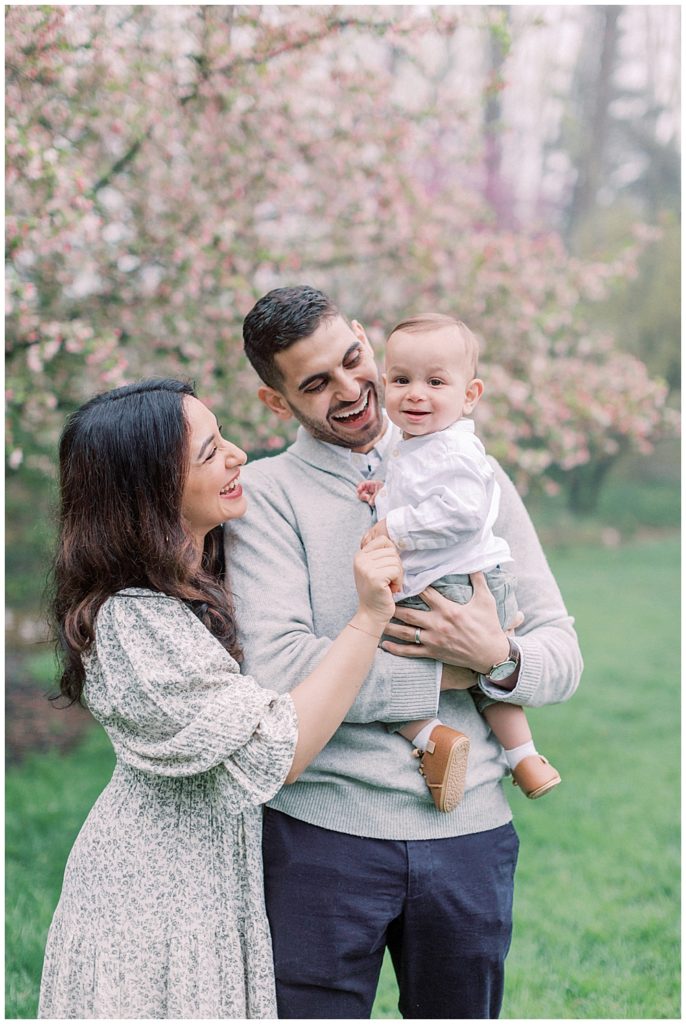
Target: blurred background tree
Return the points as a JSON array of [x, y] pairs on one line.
[[165, 166], [516, 166]]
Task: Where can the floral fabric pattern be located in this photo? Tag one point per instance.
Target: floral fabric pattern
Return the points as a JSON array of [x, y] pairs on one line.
[[162, 909]]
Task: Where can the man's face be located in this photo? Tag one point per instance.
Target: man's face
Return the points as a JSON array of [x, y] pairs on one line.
[[331, 385]]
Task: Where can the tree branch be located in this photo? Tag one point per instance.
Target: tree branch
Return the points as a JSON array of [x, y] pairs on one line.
[[121, 163]]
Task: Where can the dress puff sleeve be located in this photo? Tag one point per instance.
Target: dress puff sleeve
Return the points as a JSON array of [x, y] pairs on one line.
[[174, 703]]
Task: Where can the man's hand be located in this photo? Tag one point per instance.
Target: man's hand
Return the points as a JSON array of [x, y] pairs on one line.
[[378, 530], [468, 635]]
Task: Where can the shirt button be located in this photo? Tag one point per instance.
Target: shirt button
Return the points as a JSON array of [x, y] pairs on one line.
[[395, 453]]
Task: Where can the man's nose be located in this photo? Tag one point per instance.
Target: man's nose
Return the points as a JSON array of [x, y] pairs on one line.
[[348, 388]]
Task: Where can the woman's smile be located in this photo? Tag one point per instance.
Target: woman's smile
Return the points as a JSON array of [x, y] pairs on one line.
[[232, 490]]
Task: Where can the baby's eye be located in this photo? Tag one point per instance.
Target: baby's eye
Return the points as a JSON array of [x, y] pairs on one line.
[[435, 382], [400, 380]]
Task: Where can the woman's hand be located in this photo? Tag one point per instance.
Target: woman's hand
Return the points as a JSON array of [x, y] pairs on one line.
[[378, 530], [378, 575], [468, 635]]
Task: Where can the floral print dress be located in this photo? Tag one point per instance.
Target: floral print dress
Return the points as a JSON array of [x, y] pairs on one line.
[[162, 909]]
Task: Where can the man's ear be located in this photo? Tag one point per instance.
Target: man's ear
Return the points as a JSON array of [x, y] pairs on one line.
[[359, 331], [473, 393], [361, 335], [275, 402]]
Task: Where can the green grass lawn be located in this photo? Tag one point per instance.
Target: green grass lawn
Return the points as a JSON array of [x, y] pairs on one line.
[[597, 926], [597, 898], [46, 801]]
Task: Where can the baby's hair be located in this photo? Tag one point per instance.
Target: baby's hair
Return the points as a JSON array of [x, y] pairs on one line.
[[436, 322]]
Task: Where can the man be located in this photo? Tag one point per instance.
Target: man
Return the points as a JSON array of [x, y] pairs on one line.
[[357, 858]]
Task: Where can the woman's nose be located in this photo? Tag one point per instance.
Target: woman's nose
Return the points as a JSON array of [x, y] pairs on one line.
[[235, 456]]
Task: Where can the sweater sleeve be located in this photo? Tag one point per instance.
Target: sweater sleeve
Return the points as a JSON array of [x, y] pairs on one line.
[[551, 658], [269, 578]]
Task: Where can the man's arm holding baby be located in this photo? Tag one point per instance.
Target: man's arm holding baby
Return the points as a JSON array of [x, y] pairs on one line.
[[470, 635]]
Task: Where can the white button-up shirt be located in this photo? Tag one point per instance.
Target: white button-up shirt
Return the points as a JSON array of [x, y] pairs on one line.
[[440, 502]]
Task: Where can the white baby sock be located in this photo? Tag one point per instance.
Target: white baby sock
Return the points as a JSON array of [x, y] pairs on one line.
[[515, 755], [422, 737]]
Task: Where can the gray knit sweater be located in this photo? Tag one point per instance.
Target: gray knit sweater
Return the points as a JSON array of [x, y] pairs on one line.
[[290, 561]]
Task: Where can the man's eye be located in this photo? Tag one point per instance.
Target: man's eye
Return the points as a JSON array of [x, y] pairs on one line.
[[354, 358], [314, 388], [212, 454]]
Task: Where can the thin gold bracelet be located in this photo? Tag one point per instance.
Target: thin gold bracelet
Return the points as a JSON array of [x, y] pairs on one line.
[[377, 638]]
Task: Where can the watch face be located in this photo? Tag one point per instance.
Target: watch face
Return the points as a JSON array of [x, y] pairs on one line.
[[502, 671]]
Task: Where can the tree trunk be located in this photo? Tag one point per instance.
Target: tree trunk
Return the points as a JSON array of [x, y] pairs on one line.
[[598, 89], [585, 484], [496, 190]]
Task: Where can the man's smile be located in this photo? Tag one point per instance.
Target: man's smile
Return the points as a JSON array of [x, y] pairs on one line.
[[352, 414]]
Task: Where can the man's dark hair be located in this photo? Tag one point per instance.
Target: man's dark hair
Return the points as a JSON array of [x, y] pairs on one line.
[[279, 319]]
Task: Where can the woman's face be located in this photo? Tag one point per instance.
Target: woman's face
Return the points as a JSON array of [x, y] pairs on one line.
[[212, 493]]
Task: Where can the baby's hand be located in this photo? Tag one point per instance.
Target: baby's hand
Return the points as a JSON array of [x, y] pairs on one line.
[[379, 530], [368, 490]]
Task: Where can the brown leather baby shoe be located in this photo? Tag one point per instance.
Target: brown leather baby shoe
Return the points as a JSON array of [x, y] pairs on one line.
[[444, 766], [535, 776]]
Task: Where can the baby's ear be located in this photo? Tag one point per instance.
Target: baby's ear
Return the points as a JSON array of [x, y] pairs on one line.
[[472, 394]]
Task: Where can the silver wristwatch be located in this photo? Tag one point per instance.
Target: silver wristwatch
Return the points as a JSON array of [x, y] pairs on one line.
[[504, 669]]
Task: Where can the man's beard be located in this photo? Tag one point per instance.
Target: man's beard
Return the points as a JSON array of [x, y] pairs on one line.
[[321, 430]]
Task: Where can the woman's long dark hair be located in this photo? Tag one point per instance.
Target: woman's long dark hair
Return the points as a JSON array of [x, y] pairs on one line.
[[123, 464]]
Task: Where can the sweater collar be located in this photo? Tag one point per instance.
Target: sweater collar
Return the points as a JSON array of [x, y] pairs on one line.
[[330, 459]]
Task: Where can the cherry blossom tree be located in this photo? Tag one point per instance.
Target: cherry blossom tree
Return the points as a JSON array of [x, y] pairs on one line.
[[167, 165]]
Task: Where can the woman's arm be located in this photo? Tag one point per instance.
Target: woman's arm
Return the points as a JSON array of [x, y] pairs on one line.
[[323, 698], [175, 705], [274, 581]]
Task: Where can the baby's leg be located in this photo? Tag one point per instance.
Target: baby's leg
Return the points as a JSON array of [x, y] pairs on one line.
[[530, 770], [411, 730], [508, 724]]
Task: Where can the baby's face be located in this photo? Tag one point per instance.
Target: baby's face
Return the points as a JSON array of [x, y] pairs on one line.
[[428, 378]]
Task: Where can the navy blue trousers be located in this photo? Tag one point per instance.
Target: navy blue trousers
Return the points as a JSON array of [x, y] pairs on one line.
[[443, 907]]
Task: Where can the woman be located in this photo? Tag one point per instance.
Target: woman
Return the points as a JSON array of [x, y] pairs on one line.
[[161, 913]]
